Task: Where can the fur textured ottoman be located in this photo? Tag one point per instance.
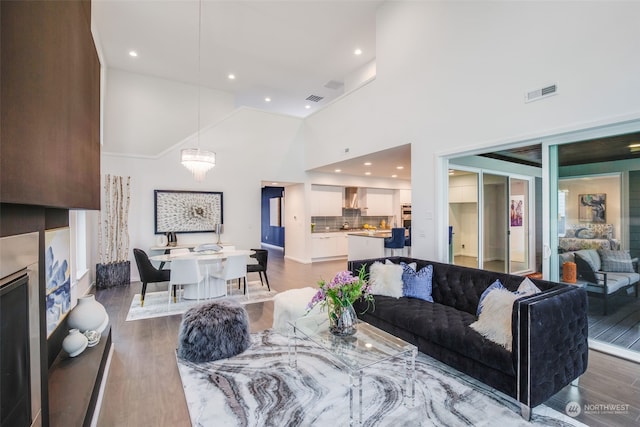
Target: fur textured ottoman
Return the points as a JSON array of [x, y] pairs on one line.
[[291, 305], [213, 331]]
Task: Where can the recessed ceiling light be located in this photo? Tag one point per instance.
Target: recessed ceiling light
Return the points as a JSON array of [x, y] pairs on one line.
[[394, 176], [231, 76], [367, 163], [357, 52], [307, 106], [399, 167], [267, 99], [367, 173], [338, 170], [133, 53]]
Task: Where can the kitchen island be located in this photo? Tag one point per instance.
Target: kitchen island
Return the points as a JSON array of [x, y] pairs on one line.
[[367, 245]]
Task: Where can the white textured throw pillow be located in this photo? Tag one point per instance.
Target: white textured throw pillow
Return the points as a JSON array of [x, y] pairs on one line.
[[526, 288], [386, 279], [494, 322]]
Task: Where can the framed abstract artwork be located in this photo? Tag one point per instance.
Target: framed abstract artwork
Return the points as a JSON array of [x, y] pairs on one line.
[[592, 207], [57, 276], [187, 211]]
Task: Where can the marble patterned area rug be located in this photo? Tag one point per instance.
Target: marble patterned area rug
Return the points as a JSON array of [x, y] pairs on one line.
[[156, 303], [259, 388]]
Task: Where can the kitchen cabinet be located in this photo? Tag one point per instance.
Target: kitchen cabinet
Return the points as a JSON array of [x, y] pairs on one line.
[[378, 201], [326, 200], [329, 245], [342, 244], [405, 197]]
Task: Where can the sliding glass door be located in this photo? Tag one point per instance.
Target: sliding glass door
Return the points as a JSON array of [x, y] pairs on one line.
[[463, 218], [490, 221], [495, 208], [519, 226]]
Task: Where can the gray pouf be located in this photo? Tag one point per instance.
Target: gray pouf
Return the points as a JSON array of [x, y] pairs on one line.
[[213, 331]]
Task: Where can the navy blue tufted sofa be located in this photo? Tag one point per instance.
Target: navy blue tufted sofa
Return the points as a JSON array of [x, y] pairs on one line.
[[549, 330]]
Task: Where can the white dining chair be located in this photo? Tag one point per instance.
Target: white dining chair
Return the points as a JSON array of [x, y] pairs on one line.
[[184, 272], [235, 267]]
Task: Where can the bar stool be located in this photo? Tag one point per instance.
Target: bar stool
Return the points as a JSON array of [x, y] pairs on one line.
[[407, 243], [396, 241]]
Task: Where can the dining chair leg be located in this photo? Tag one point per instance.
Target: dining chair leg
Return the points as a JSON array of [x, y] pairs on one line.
[[267, 280], [144, 291]]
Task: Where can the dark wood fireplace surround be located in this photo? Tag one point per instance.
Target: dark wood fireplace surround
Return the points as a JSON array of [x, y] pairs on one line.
[[49, 143]]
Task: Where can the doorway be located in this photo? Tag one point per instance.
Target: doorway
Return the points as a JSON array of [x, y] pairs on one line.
[[489, 220]]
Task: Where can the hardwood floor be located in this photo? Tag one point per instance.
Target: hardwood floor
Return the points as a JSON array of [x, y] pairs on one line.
[[144, 389], [621, 327]]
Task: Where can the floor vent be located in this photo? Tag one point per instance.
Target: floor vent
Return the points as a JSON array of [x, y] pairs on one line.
[[537, 94], [314, 98]]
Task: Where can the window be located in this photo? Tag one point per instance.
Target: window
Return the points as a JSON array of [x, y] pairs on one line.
[[562, 212], [78, 225]]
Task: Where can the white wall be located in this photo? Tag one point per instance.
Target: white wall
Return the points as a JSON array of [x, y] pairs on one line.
[[609, 185], [251, 146], [296, 224], [451, 76], [156, 113]]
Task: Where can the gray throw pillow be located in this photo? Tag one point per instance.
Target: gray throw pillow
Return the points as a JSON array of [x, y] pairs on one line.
[[615, 261], [585, 269]]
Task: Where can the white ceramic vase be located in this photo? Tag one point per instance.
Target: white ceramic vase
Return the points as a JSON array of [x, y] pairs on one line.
[[88, 315], [74, 343]]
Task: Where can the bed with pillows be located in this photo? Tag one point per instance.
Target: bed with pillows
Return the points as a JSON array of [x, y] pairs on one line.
[[588, 236], [524, 337]]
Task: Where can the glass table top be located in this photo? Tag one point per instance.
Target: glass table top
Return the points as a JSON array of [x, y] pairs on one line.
[[368, 346]]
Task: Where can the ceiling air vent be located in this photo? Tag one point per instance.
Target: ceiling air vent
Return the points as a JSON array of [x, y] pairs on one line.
[[335, 85], [537, 94], [314, 98]]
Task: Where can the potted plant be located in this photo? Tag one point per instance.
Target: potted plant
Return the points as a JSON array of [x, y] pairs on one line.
[[338, 297]]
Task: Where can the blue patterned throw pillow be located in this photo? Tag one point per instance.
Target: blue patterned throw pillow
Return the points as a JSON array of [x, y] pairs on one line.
[[495, 285], [417, 284]]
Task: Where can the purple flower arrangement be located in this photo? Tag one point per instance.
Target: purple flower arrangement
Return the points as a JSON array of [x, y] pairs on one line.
[[343, 290]]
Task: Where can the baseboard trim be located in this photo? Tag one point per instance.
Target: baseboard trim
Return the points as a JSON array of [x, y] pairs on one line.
[[613, 350]]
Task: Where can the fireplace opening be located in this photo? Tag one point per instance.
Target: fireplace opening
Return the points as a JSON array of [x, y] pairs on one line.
[[15, 387], [20, 338]]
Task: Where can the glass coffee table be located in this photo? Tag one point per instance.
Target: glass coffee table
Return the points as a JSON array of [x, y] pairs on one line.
[[369, 346]]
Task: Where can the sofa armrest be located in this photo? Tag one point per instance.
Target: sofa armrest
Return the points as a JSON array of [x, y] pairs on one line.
[[550, 332]]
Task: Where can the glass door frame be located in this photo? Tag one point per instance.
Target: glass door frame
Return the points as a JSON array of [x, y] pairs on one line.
[[531, 252]]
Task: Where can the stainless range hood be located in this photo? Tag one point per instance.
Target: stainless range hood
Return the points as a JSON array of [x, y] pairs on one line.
[[351, 197]]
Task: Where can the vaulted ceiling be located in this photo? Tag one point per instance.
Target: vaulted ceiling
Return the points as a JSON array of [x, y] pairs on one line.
[[282, 50]]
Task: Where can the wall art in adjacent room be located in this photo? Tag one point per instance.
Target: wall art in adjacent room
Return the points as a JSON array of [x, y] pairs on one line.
[[592, 207]]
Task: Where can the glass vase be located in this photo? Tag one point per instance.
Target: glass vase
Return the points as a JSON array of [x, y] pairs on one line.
[[342, 319]]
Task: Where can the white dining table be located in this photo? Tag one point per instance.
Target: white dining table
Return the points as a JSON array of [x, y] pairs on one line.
[[213, 287]]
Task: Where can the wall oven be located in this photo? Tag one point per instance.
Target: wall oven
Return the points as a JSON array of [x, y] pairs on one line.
[[405, 211]]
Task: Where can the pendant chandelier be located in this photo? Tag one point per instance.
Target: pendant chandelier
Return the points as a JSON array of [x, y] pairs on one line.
[[198, 161]]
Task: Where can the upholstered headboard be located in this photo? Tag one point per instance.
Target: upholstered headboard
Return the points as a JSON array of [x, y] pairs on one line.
[[592, 231], [588, 236]]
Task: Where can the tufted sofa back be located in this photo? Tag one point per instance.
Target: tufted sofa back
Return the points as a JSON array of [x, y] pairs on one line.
[[456, 286]]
